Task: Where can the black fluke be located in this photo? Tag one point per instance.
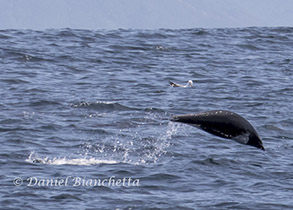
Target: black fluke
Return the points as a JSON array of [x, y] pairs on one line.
[[224, 124]]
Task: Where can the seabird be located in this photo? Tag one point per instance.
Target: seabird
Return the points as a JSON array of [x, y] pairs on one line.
[[189, 84]]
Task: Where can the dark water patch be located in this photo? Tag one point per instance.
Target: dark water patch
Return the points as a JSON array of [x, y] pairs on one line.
[[67, 33], [201, 32], [44, 103], [49, 127], [94, 131], [14, 81], [3, 35], [22, 56], [161, 176], [149, 34], [249, 47], [65, 197], [287, 30], [10, 121], [3, 129], [134, 49]]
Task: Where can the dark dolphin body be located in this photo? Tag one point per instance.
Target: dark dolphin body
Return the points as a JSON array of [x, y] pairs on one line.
[[224, 124]]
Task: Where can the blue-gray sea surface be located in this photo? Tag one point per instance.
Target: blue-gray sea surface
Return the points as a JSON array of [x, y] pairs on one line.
[[84, 119]]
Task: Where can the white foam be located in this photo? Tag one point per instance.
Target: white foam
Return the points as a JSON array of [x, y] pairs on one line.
[[79, 161], [33, 158]]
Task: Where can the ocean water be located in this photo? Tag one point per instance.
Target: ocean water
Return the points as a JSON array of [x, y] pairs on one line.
[[84, 119]]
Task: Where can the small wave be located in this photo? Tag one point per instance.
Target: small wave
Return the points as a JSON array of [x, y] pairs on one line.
[[146, 34], [116, 47], [249, 47], [4, 36], [199, 32], [23, 56], [67, 32], [14, 81], [63, 196], [44, 103], [33, 158], [273, 127], [104, 105], [285, 30]]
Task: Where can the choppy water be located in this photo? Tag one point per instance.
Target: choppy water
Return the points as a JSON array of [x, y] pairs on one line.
[[82, 106]]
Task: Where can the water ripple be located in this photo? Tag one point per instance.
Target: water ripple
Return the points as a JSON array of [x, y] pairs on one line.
[[97, 103]]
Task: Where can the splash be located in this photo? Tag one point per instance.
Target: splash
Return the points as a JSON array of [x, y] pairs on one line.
[[160, 145], [128, 146], [132, 147], [83, 161]]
